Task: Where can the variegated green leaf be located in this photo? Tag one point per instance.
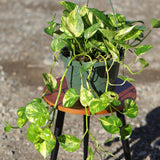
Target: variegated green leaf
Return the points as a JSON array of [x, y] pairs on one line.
[[67, 5], [131, 109], [143, 62], [85, 97], [47, 143], [142, 49], [97, 105], [56, 44], [155, 23], [70, 97], [33, 133], [69, 143], [89, 32], [22, 119], [111, 124], [126, 131], [75, 23], [37, 113], [50, 81]]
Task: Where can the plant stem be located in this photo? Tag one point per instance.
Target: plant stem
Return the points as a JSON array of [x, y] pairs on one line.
[[52, 120], [15, 127], [44, 93], [111, 66], [117, 110], [86, 124], [54, 62], [107, 83], [81, 49], [143, 38], [111, 110], [133, 73], [61, 81], [60, 89]]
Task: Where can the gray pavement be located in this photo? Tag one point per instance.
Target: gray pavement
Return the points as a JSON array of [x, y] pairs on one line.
[[25, 54]]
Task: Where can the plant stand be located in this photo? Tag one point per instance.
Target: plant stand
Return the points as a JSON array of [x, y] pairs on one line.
[[124, 91]]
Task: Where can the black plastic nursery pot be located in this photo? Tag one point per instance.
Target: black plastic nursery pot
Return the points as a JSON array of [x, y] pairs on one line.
[[98, 78]]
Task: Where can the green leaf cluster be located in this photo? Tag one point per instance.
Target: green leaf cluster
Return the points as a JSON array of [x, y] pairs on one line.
[[95, 33], [43, 139]]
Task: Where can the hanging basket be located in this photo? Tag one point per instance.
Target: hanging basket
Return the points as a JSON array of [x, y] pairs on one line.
[[98, 78]]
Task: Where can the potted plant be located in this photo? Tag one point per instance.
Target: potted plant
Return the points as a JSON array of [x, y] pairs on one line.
[[92, 45]]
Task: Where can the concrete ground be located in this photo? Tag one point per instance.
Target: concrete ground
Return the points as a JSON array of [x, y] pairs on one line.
[[25, 54]]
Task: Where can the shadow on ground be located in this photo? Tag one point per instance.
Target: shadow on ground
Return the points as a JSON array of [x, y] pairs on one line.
[[145, 140]]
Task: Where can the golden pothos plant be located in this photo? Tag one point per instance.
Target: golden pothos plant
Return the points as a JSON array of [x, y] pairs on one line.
[[86, 35]]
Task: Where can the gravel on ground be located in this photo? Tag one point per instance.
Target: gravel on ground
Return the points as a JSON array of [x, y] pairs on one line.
[[25, 54]]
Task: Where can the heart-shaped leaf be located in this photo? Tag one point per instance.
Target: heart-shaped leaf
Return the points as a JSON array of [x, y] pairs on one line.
[[97, 105], [75, 23], [126, 131], [37, 113], [155, 23], [33, 133], [143, 62], [50, 29], [85, 96], [47, 135], [142, 49], [48, 142], [64, 26], [108, 97], [131, 109], [56, 44], [7, 128], [111, 124], [22, 119], [69, 143], [70, 97]]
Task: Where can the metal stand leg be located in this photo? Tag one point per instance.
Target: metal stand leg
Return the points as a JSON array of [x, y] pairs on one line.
[[125, 143], [57, 132], [86, 138]]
